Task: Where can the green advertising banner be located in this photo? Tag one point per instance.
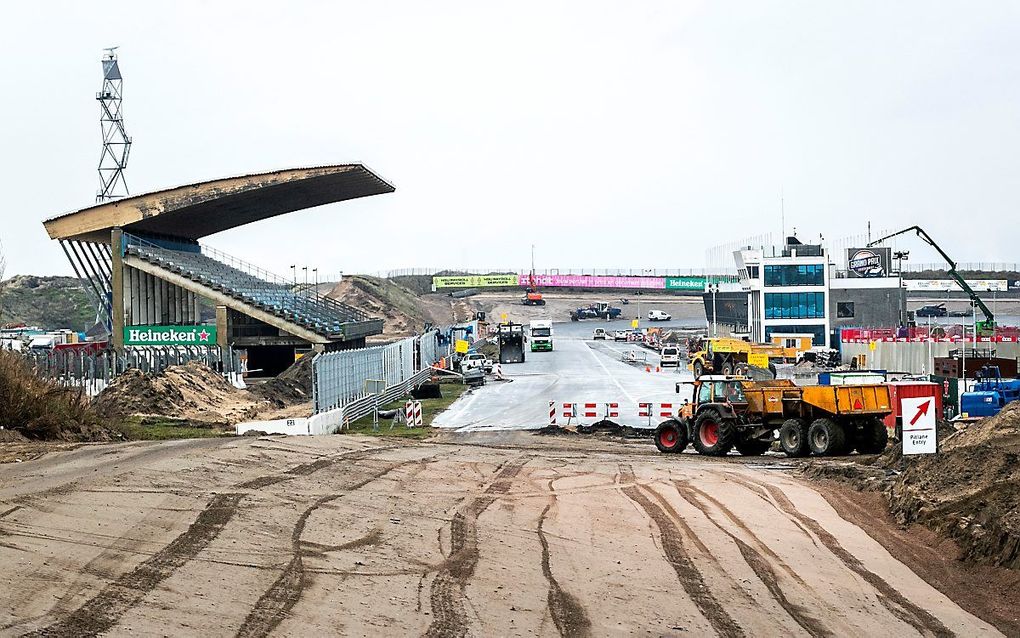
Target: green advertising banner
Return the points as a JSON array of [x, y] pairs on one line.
[[169, 335], [685, 283], [475, 281]]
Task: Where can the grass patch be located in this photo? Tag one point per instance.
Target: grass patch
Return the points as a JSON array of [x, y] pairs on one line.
[[430, 409], [156, 428]]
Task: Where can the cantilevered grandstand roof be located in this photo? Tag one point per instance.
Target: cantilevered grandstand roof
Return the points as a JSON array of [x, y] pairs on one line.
[[197, 210]]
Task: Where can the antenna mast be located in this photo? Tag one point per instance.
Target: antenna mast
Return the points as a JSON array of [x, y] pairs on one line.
[[116, 143]]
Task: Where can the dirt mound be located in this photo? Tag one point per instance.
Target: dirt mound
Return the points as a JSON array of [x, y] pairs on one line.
[[192, 391], [970, 491], [11, 436], [292, 387]]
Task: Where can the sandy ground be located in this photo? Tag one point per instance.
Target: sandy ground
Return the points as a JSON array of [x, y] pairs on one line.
[[495, 534]]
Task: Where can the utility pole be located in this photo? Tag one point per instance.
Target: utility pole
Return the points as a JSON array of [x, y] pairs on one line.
[[116, 143]]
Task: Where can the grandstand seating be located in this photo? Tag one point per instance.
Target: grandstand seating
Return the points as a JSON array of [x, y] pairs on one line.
[[321, 315]]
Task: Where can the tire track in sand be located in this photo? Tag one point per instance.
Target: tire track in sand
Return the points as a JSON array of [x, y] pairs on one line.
[[274, 605], [447, 592], [567, 612], [917, 617], [691, 578], [104, 610], [755, 559]]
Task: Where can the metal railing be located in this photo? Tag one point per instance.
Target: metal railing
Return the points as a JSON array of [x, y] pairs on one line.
[[93, 371], [341, 378], [304, 295], [597, 272]]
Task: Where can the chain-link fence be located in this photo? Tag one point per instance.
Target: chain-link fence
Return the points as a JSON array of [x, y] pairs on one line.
[[340, 378]]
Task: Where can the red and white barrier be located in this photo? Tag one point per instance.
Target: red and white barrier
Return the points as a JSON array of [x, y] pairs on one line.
[[412, 413], [552, 413]]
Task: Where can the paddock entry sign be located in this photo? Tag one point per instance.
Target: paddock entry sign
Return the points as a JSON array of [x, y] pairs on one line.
[[918, 425]]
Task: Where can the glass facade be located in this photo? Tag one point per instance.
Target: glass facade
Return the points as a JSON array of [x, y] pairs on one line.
[[794, 305], [817, 332], [795, 275]]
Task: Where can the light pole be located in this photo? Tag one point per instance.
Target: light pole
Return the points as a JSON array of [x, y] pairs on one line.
[[293, 273], [305, 268], [315, 271], [714, 288]]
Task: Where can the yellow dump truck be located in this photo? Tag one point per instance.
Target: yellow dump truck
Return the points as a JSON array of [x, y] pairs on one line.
[[725, 355], [733, 412]]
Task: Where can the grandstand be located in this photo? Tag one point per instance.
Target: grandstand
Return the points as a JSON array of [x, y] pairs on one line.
[[141, 258]]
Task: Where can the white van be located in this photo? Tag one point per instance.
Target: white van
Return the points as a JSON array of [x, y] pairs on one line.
[[658, 315], [670, 356]]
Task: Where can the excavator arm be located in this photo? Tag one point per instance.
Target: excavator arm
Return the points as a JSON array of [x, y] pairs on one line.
[[989, 322]]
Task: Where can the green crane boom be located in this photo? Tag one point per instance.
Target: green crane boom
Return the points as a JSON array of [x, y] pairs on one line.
[[983, 327]]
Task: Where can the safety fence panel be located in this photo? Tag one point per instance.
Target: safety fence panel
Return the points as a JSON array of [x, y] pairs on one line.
[[93, 370], [345, 377]]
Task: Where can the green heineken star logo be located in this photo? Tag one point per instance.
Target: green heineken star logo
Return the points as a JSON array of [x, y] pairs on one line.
[[169, 335]]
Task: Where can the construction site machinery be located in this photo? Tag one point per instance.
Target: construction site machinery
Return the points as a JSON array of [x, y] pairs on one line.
[[510, 338], [734, 412], [983, 328], [988, 395], [731, 356], [540, 335], [598, 310], [532, 298]]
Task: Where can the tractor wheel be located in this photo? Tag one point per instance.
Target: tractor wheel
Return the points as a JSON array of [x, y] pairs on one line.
[[752, 447], [872, 437], [671, 437], [713, 435], [793, 437], [826, 437], [699, 369]]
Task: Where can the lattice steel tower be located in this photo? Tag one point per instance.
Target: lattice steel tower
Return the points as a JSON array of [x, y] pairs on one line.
[[116, 143]]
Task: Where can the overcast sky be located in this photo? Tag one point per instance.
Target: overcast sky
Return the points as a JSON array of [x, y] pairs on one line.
[[608, 134]]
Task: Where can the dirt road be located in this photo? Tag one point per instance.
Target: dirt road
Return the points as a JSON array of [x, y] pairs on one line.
[[511, 534]]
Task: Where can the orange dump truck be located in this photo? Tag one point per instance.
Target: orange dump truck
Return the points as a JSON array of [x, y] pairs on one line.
[[733, 412]]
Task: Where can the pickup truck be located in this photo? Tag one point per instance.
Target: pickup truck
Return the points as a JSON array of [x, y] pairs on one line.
[[475, 360]]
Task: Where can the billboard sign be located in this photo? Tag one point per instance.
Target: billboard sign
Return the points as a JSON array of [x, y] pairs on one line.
[[475, 281], [596, 281], [686, 283], [868, 262], [948, 285], [169, 335]]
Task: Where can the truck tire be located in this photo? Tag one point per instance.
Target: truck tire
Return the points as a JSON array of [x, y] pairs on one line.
[[699, 369], [772, 369], [826, 437], [671, 437], [793, 438], [872, 437], [713, 435], [752, 447], [727, 368]]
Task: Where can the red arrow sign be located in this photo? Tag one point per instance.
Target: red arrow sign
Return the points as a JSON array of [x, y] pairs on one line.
[[921, 411]]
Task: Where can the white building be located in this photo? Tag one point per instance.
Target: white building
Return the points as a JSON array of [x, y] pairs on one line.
[[797, 290]]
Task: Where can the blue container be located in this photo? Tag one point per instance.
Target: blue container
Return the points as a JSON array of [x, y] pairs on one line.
[[981, 403]]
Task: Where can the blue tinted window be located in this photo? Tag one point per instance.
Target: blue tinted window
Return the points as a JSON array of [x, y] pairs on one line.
[[795, 275], [794, 305]]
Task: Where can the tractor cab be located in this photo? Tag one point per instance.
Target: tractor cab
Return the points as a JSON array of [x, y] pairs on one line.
[[714, 389]]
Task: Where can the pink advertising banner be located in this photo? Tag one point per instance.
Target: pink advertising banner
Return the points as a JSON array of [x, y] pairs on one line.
[[593, 281]]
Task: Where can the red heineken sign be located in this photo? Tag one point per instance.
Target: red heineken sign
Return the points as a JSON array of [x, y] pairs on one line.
[[169, 335]]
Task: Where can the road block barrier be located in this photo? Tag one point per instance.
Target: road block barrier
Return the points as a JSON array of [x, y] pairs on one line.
[[412, 413]]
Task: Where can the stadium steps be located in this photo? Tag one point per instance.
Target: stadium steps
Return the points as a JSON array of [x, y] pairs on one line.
[[325, 317]]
